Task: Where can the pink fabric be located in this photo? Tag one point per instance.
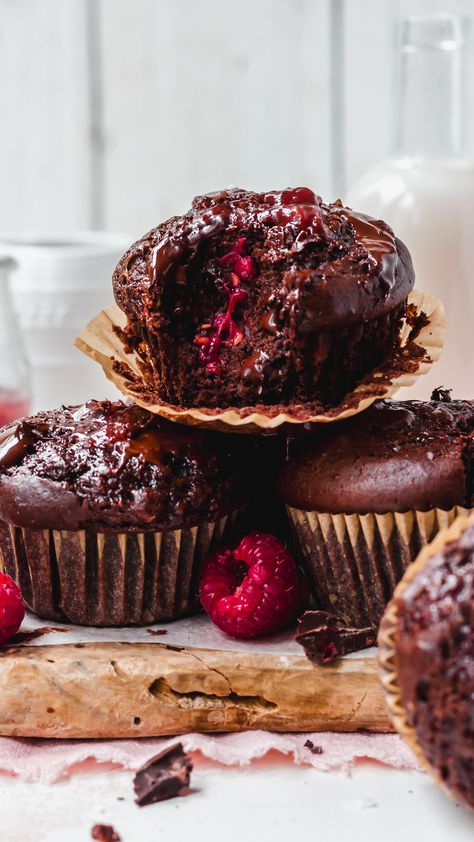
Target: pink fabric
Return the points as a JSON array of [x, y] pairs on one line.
[[52, 760]]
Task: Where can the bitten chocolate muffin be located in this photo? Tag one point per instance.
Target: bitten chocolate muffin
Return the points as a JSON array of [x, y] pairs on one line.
[[366, 494], [263, 299], [107, 511], [434, 661]]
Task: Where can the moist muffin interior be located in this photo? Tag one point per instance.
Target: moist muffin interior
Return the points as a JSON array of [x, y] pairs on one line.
[[435, 661], [114, 466], [301, 298]]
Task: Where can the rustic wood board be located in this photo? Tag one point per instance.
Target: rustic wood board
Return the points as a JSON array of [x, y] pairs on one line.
[[129, 689]]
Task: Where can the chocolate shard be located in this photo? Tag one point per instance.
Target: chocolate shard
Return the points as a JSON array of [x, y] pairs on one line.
[[325, 637], [164, 776], [313, 748], [440, 394], [105, 833]]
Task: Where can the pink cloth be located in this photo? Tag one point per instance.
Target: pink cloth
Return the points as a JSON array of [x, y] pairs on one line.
[[48, 761]]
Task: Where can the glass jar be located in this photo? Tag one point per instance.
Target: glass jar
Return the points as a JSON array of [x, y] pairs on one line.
[[14, 373], [426, 189]]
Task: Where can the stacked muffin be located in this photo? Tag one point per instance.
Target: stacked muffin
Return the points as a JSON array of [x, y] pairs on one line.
[[269, 306]]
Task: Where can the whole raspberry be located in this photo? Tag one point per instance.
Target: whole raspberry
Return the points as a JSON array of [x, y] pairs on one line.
[[255, 589], [12, 609]]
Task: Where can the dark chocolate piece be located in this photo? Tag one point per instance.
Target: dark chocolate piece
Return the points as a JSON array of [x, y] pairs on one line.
[[325, 637], [156, 632], [440, 394], [117, 466], [164, 776], [263, 298], [313, 748], [105, 833]]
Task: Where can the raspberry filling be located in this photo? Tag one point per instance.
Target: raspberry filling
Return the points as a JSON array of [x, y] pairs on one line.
[[254, 590], [223, 330]]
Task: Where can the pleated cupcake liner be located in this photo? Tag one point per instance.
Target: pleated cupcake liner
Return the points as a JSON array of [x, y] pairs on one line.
[[112, 578], [101, 341], [354, 562], [387, 645]]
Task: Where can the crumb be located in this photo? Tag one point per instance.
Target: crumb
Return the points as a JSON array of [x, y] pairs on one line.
[[105, 833], [31, 634]]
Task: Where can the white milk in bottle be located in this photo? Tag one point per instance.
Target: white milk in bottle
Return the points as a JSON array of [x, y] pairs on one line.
[[426, 191]]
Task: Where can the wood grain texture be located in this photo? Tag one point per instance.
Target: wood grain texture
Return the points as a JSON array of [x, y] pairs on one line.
[[45, 142], [127, 690], [198, 96]]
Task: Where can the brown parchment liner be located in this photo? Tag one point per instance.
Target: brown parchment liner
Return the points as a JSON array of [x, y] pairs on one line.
[[111, 578], [421, 344], [354, 562], [387, 645]]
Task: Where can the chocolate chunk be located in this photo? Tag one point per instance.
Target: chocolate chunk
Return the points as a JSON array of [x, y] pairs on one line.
[[313, 749], [156, 632], [440, 394], [325, 637], [105, 833], [164, 776]]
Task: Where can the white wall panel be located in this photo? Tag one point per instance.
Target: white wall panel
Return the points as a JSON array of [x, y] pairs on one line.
[[44, 138], [200, 95]]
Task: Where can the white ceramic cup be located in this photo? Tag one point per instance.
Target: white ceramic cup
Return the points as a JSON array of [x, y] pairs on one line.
[[60, 282]]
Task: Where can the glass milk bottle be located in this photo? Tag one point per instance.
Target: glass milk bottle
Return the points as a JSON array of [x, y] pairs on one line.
[[426, 190]]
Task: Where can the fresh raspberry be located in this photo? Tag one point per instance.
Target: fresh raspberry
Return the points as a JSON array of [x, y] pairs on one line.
[[255, 589], [12, 609]]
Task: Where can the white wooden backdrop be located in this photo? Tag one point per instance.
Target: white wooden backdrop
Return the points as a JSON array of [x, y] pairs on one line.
[[114, 113]]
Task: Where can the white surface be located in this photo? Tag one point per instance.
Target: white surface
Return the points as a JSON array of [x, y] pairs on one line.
[[198, 632], [261, 803]]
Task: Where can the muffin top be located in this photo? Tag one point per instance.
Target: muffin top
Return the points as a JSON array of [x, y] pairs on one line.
[[113, 466], [434, 642], [318, 265], [396, 456]]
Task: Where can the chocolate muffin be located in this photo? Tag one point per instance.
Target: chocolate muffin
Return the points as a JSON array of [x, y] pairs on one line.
[[431, 673], [366, 494], [263, 299], [107, 511]]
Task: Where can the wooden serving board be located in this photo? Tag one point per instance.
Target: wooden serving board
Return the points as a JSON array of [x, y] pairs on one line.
[[91, 683]]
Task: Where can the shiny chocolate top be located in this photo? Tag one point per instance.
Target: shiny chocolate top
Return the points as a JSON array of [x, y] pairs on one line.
[[113, 465], [396, 456], [335, 267], [434, 643]]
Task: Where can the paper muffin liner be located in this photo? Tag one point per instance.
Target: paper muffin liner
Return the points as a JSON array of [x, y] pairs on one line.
[[111, 578], [387, 644], [354, 562], [421, 342]]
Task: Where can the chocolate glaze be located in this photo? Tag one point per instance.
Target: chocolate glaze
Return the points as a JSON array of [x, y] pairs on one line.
[[396, 456], [113, 465], [434, 644], [356, 268]]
